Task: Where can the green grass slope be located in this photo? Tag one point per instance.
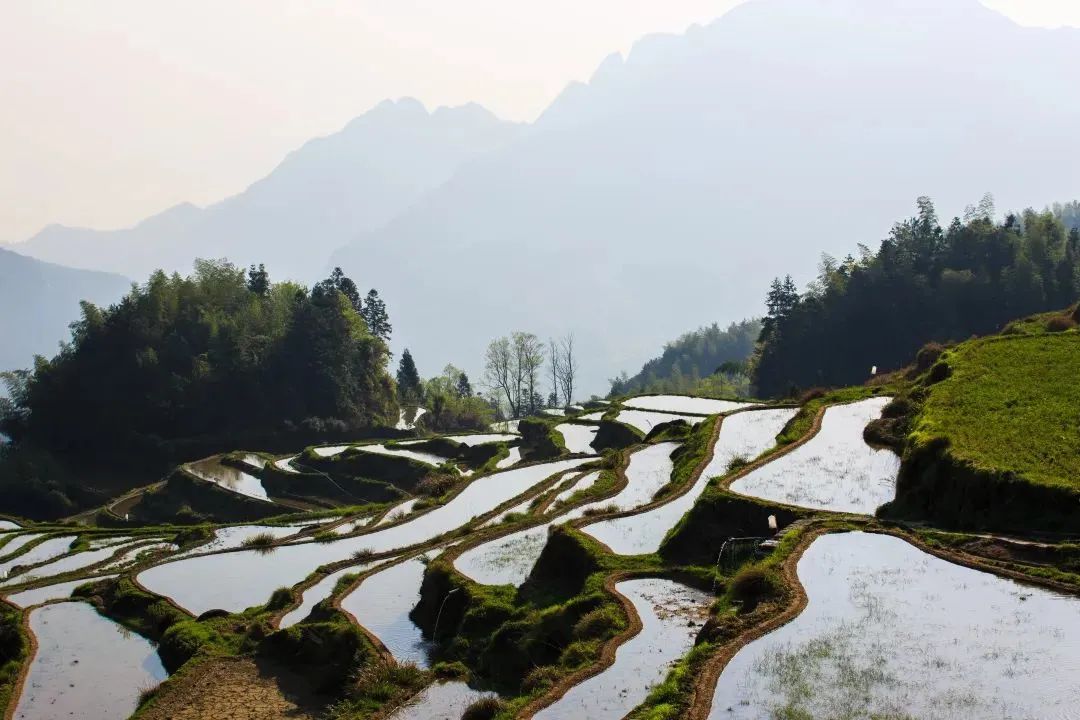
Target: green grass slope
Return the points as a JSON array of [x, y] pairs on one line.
[[1012, 404]]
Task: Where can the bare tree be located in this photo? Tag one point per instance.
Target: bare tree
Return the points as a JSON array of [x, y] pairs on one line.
[[528, 357], [501, 373], [567, 366], [554, 358]]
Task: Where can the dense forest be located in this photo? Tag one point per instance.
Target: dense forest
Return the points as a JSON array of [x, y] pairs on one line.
[[220, 353], [707, 361], [925, 283]]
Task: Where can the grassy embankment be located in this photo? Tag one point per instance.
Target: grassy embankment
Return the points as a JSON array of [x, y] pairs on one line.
[[994, 433]]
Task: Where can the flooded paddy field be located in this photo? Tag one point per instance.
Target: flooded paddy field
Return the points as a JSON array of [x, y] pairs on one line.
[[744, 435], [228, 477], [646, 420], [893, 632], [835, 470], [86, 667], [684, 404], [247, 578], [578, 438], [46, 550], [382, 602], [671, 616], [440, 701]]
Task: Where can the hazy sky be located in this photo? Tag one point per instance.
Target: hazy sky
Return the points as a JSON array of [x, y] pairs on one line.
[[116, 109]]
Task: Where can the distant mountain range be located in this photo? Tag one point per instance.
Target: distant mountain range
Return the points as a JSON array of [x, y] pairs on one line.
[[39, 300], [319, 198], [666, 192]]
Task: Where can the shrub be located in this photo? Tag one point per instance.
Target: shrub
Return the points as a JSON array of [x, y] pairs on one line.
[[281, 598], [753, 585], [1076, 314], [928, 355], [540, 679], [737, 463], [263, 541], [450, 671], [578, 653], [438, 484], [148, 693], [811, 394], [597, 623], [363, 555], [1060, 323], [484, 709], [940, 371], [898, 407]]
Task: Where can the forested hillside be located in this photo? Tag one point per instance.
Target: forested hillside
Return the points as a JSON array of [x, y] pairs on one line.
[[708, 359], [924, 283], [216, 353]]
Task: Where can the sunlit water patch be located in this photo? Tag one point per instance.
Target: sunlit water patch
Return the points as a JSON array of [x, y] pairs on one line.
[[578, 438], [47, 550], [67, 564], [646, 420], [440, 701], [382, 603], [7, 525], [330, 450], [285, 464], [247, 578], [56, 591], [232, 537], [473, 440], [835, 470], [743, 435], [398, 512], [570, 487], [684, 404], [86, 667], [508, 560], [426, 458], [230, 478], [593, 416], [891, 631], [128, 557], [671, 616], [319, 592], [512, 459], [15, 544]]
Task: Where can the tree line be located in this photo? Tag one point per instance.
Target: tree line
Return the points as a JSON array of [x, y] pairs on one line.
[[221, 351], [924, 283], [708, 361]]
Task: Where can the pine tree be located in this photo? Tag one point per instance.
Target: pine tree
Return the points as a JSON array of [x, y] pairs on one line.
[[408, 379], [258, 280], [464, 388], [376, 317]]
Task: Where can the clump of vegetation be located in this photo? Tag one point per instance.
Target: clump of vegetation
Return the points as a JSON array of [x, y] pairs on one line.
[[376, 685], [540, 678], [752, 586], [281, 598], [438, 484], [363, 555], [148, 693], [600, 622], [1060, 323], [261, 541], [737, 463], [484, 709]]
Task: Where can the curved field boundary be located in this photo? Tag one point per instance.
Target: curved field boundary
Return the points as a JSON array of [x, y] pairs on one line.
[[607, 653], [702, 694], [582, 523], [537, 519], [384, 652], [573, 478], [705, 685]]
